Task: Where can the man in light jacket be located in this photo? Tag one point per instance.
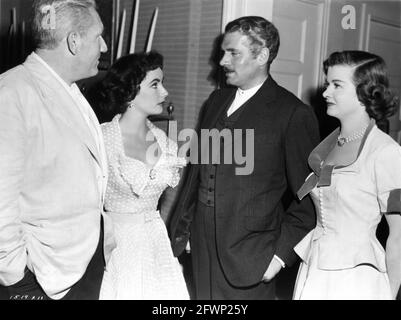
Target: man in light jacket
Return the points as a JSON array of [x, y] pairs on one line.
[[54, 239]]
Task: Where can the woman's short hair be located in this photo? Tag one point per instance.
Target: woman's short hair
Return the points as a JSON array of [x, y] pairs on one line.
[[370, 79], [54, 19], [122, 81]]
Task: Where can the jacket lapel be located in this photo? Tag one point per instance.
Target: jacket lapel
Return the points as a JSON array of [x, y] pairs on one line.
[[220, 106], [60, 104], [266, 93], [260, 100], [321, 175]]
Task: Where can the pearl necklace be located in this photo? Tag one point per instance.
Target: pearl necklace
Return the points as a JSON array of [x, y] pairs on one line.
[[355, 136]]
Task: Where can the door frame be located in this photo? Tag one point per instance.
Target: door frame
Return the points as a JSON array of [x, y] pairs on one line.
[[233, 9]]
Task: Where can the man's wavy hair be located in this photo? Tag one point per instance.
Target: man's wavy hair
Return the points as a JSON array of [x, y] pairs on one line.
[[69, 15], [122, 81], [370, 79], [260, 32]]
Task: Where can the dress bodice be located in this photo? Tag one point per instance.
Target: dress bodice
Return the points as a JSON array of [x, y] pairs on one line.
[[348, 206], [133, 186]]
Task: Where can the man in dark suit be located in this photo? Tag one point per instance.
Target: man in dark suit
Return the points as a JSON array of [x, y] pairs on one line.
[[243, 225]]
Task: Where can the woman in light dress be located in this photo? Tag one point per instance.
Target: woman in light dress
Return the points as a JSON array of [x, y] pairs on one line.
[[356, 179], [143, 162]]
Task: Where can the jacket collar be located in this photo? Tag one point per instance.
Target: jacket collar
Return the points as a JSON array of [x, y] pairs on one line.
[[321, 175], [266, 93], [60, 102]]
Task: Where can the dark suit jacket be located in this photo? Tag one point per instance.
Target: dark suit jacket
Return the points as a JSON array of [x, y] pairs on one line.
[[257, 215]]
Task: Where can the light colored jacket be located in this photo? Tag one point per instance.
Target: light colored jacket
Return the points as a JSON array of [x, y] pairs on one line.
[[50, 202], [350, 201]]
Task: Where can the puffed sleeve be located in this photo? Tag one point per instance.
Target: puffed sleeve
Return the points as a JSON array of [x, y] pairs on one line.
[[388, 178], [175, 174], [172, 164]]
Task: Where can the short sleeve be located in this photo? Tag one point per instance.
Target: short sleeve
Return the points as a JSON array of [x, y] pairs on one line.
[[171, 164], [388, 178]]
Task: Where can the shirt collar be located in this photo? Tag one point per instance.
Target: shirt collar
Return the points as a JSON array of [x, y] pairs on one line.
[[249, 92]]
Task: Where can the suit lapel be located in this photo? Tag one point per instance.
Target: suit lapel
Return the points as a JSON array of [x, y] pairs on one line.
[[220, 106], [253, 109], [260, 100], [59, 102]]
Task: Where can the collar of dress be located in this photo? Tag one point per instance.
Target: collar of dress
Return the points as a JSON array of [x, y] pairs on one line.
[[157, 133], [321, 175]]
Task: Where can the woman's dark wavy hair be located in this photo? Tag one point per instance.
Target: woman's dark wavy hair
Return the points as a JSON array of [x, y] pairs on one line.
[[370, 79], [122, 81]]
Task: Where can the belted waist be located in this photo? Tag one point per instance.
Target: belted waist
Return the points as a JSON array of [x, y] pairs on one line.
[[134, 217]]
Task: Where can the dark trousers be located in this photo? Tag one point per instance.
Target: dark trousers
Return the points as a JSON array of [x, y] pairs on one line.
[[87, 288], [209, 278]]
